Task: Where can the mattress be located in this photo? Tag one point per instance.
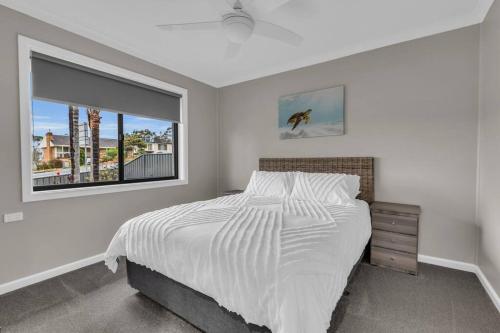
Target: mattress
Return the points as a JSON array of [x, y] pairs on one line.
[[279, 263]]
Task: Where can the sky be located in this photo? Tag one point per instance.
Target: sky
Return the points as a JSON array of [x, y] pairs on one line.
[[327, 106], [54, 117]]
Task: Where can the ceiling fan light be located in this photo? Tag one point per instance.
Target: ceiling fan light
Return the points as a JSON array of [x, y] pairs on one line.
[[238, 28]]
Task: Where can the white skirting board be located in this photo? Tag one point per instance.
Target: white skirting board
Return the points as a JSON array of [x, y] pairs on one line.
[[463, 266], [38, 277], [460, 265], [35, 278], [489, 288]]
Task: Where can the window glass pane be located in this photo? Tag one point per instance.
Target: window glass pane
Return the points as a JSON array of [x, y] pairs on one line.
[[95, 143], [99, 145], [148, 148]]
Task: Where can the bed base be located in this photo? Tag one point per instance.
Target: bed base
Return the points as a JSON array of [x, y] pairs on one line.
[[202, 311]]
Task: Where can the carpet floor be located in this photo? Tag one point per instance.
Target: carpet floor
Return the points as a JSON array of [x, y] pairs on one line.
[[380, 300]]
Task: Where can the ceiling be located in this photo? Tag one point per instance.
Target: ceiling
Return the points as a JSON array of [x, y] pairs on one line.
[[331, 29]]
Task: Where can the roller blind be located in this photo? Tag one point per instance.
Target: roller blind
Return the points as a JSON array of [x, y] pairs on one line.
[[59, 80]]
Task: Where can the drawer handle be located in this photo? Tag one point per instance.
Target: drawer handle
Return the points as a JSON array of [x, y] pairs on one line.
[[392, 240], [393, 222], [392, 258]]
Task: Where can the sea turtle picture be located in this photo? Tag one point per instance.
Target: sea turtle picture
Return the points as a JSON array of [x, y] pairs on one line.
[[312, 114]]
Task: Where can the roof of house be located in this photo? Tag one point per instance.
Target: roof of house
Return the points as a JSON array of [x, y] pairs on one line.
[[63, 140], [159, 139]]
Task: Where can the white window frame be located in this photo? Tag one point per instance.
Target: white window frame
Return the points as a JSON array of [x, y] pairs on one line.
[[26, 46]]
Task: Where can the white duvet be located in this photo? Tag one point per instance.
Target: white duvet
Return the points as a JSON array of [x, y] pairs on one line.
[[279, 263]]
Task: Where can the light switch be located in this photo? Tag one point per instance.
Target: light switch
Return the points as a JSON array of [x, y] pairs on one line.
[[13, 217]]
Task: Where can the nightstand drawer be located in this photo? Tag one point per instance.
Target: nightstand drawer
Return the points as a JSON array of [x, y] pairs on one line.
[[394, 223], [394, 241], [398, 260]]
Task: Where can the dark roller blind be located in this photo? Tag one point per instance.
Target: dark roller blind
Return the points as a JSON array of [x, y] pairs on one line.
[[59, 80]]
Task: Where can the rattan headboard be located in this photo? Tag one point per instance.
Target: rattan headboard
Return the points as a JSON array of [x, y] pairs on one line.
[[361, 166]]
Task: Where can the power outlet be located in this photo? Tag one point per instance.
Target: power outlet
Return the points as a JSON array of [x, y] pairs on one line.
[[13, 217]]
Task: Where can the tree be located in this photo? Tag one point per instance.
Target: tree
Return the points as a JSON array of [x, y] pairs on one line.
[[36, 152], [167, 135], [74, 143], [134, 139], [112, 153], [145, 134], [82, 156], [94, 123]]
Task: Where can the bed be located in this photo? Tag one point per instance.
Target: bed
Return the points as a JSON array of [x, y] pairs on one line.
[[211, 275]]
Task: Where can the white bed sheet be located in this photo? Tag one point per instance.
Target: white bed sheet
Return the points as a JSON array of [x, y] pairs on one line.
[[307, 299]]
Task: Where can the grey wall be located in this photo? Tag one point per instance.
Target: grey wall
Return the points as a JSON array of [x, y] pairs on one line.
[[412, 106], [489, 149], [58, 232]]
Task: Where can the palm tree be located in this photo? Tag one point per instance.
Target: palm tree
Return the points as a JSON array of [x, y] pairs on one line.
[[74, 143], [94, 122]]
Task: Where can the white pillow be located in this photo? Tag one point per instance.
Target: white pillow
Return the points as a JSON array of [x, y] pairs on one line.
[[353, 181], [332, 188], [271, 184]]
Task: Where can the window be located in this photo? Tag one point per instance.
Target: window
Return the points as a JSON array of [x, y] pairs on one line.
[[143, 141], [95, 128], [148, 147]]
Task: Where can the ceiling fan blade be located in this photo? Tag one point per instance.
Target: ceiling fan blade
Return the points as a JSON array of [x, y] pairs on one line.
[[194, 26], [269, 5], [274, 31], [232, 50]]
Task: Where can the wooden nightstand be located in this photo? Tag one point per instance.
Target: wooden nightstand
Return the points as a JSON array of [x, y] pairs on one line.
[[231, 192], [395, 236]]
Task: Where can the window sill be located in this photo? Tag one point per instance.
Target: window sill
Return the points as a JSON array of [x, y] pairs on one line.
[[86, 191]]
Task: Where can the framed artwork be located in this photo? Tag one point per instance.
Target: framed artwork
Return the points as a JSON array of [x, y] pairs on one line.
[[312, 114]]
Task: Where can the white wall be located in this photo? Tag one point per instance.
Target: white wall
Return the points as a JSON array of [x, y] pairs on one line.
[[413, 106]]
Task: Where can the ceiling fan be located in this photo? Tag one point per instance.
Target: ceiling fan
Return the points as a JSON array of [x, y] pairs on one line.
[[240, 25]]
